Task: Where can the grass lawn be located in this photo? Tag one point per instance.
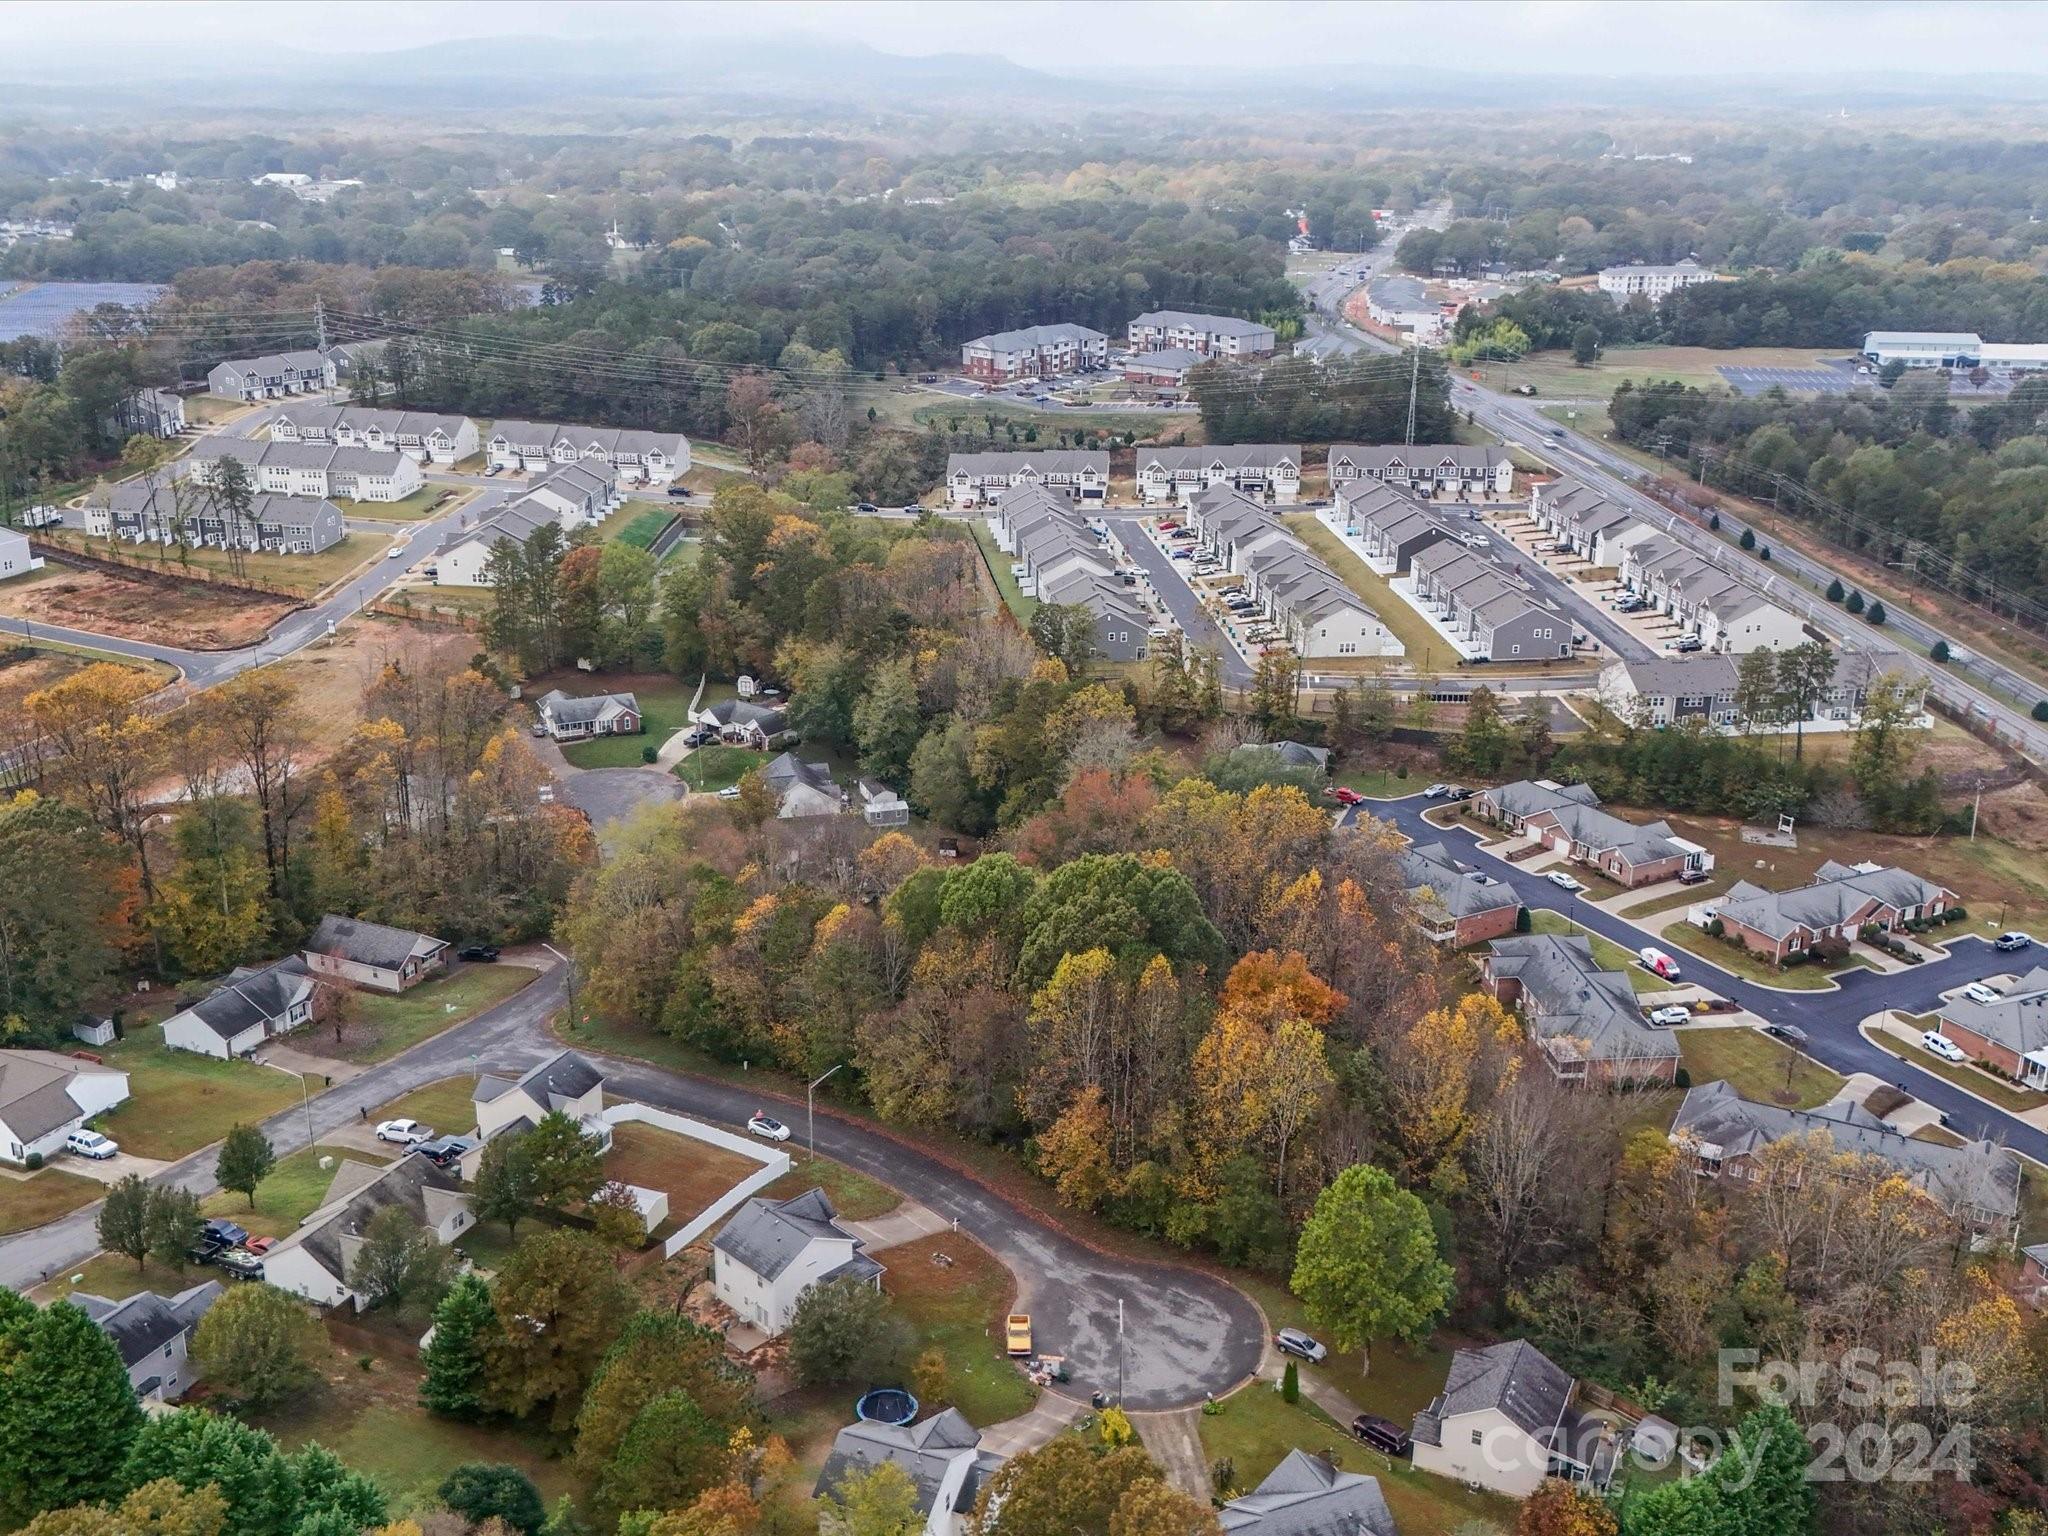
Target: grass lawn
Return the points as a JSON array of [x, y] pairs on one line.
[[422, 503], [387, 1023], [1679, 901], [1739, 961], [716, 766], [116, 1275], [664, 710], [2000, 1092], [1021, 607], [448, 1106], [181, 1101], [44, 1196], [853, 1194], [693, 1173], [1402, 1380], [1756, 1066], [636, 523], [1553, 373], [959, 1309], [1427, 650], [1606, 953], [293, 1191]]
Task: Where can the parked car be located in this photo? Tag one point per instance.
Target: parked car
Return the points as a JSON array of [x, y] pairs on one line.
[[1343, 796], [444, 1151], [1669, 1015], [1791, 1034], [679, 493], [1183, 554], [482, 954], [1381, 1434], [492, 471], [91, 1144], [866, 508], [1435, 791], [730, 792], [216, 1238], [1017, 1334], [700, 736], [1689, 643], [767, 1127], [1292, 1341], [2010, 941], [1981, 992], [404, 1133], [1657, 962], [1457, 792], [1563, 881], [1940, 1045]]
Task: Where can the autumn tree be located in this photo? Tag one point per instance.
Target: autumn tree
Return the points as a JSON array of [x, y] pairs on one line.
[[107, 752], [657, 1352], [1064, 1489], [880, 1501], [1450, 1063], [267, 732], [560, 1305], [1368, 1266], [1559, 1508], [67, 890], [258, 1344], [400, 1263]]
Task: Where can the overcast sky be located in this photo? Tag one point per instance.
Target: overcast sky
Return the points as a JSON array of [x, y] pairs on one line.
[[1722, 37]]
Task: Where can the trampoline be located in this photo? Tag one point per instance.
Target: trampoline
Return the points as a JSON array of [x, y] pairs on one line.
[[886, 1405]]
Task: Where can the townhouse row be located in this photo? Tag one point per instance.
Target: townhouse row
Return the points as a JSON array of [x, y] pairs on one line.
[[1315, 610], [1060, 559], [274, 375], [1722, 612], [633, 455], [1677, 690], [185, 510], [567, 497], [325, 470]]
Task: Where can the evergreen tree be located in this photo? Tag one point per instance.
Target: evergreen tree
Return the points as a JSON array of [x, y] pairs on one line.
[[1855, 602], [1835, 592], [506, 1186], [67, 1411], [1748, 539], [1876, 615], [454, 1357], [173, 1223], [483, 1490], [1936, 653]]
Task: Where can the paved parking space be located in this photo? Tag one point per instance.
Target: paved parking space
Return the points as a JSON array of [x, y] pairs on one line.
[[1807, 381]]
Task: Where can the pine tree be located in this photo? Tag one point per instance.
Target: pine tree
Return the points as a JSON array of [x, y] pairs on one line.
[[1855, 602], [67, 1412], [1876, 614], [1835, 591], [1748, 539], [454, 1357], [1936, 653]]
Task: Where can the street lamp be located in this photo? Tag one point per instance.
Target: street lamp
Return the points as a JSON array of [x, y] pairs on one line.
[[811, 1111]]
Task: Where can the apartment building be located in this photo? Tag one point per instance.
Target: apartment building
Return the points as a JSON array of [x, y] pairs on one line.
[[269, 377], [978, 479], [325, 470], [1064, 561], [1460, 471], [635, 456], [1036, 351], [1488, 612], [1720, 608], [1203, 335], [1269, 471], [425, 436], [1656, 284], [155, 412]]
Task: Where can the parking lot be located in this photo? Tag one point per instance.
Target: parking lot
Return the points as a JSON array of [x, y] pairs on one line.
[[1590, 603], [1797, 381]]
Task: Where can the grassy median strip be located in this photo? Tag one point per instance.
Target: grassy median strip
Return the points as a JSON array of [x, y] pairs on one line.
[[2005, 1095], [1021, 607], [1427, 650]]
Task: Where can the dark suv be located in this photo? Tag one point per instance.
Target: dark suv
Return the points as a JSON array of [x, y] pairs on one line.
[[1381, 1434]]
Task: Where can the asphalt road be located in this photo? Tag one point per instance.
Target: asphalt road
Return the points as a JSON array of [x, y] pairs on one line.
[[1179, 598], [1829, 1017]]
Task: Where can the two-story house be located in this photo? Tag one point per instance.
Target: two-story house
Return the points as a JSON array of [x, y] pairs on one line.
[[772, 1251], [974, 479], [1507, 1418], [633, 455], [1270, 472], [565, 1083], [941, 1455], [1456, 471], [1456, 904], [153, 1336]]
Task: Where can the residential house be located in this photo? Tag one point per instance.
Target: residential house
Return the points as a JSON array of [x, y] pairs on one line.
[[153, 1336], [45, 1096], [269, 377], [1671, 691], [1568, 818], [367, 954], [152, 412], [2034, 1273], [1487, 609], [1203, 335], [1456, 904], [15, 556], [941, 1455], [1315, 609], [1839, 902], [346, 358], [973, 479], [1507, 1418], [1036, 351], [2010, 1035], [745, 723], [1459, 471], [423, 436], [1584, 1020], [253, 1005], [1065, 561], [316, 1260], [1307, 1496], [1739, 621], [1391, 527], [1167, 368], [568, 497], [311, 469], [633, 455], [1656, 284], [565, 1083], [145, 513], [772, 1251], [881, 806], [1724, 1133], [569, 718], [802, 789], [1270, 472]]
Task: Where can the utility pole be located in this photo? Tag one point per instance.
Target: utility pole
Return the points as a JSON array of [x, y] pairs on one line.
[[1119, 1351], [811, 1112], [1414, 378]]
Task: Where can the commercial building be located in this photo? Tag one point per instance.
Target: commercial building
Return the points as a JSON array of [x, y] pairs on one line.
[[1403, 304], [1585, 1020], [976, 479], [1203, 335], [1459, 470], [1953, 349], [1167, 368], [1638, 281], [1036, 351], [1269, 471]]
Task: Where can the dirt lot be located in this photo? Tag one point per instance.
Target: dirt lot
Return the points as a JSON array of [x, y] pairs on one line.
[[332, 675], [157, 610], [22, 672]]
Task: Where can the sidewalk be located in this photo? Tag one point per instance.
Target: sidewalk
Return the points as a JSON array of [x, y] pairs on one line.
[[1028, 1431]]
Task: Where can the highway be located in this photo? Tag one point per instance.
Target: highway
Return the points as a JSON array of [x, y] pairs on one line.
[[1784, 579]]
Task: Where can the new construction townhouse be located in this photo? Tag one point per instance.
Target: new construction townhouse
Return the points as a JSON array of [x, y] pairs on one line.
[[1450, 471], [326, 470], [978, 479], [634, 456], [1488, 613], [424, 436], [1269, 472]]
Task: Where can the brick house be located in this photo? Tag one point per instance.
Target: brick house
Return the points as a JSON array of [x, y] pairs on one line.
[[2010, 1034], [1584, 1020], [1456, 905], [1568, 818], [1837, 905]]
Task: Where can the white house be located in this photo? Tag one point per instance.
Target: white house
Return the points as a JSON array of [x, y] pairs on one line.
[[801, 788], [153, 1335], [315, 1260], [741, 722], [881, 806], [15, 559], [1268, 471], [1506, 1420], [565, 1083], [633, 455], [772, 1251], [372, 955], [1075, 473], [941, 1455], [423, 436], [45, 1096], [250, 1007]]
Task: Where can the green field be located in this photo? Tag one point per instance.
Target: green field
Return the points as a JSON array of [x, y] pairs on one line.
[[1756, 1066], [180, 1101], [853, 1194], [422, 503], [393, 1022], [715, 767], [40, 1197], [664, 710], [1021, 607], [1607, 954], [449, 1106], [642, 528], [1427, 650], [958, 1308], [1555, 375]]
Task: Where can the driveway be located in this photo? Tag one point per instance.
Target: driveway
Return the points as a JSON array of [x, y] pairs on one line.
[[1186, 1333], [1829, 1016], [606, 795]]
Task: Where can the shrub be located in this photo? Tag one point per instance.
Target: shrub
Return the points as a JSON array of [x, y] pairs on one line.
[[33, 1161], [2040, 709], [1955, 915], [1683, 1078], [1764, 554], [1716, 927], [1835, 592], [1748, 539], [1938, 653], [1523, 922], [1290, 1384], [1855, 602], [649, 753]]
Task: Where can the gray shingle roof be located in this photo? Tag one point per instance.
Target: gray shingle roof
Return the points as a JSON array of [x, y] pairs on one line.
[[366, 943], [1236, 456], [766, 1236], [1306, 1496], [1214, 325], [35, 1093], [565, 1075], [772, 719], [329, 1233], [1454, 885], [927, 1451], [1467, 457], [574, 710], [1516, 1378], [144, 1323], [1569, 998], [2018, 1021], [1837, 894], [1035, 336], [252, 997], [1069, 461]]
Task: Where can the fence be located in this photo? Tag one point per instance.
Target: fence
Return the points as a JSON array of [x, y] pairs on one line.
[[428, 613], [774, 1164]]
